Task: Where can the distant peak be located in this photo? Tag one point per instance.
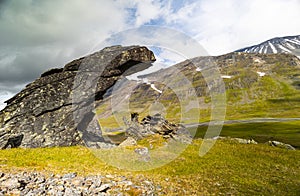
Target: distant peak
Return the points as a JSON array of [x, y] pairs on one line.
[[287, 44]]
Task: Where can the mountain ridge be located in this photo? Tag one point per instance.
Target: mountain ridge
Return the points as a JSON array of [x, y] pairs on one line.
[[286, 44]]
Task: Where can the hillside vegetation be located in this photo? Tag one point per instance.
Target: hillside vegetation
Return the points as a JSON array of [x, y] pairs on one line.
[[227, 169], [249, 95]]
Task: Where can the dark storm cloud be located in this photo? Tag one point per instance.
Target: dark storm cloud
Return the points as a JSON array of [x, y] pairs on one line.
[[2, 3], [23, 68], [39, 35]]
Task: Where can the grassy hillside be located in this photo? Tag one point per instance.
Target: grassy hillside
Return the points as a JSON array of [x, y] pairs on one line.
[[248, 95], [227, 169]]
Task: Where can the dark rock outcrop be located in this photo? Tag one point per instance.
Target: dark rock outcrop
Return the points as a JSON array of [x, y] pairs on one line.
[[57, 109]]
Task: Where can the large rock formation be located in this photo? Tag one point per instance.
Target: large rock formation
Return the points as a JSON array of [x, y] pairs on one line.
[[57, 109]]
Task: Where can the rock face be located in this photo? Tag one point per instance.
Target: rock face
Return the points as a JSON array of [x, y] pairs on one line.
[[57, 109]]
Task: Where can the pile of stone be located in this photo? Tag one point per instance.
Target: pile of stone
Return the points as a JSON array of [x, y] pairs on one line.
[[156, 124], [70, 184]]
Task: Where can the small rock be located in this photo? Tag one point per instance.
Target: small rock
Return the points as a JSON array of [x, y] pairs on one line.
[[109, 176], [144, 153], [70, 175], [126, 183], [97, 182], [281, 145], [15, 192], [130, 141], [77, 182], [147, 182], [88, 182], [244, 141], [73, 192], [11, 183], [103, 188], [60, 187], [39, 180]]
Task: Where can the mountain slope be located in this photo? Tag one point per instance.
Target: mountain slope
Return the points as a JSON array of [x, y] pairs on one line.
[[257, 86], [288, 44]]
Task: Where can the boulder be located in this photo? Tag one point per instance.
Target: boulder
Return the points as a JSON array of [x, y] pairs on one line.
[[281, 145], [245, 141], [239, 140], [58, 108], [143, 153], [128, 142]]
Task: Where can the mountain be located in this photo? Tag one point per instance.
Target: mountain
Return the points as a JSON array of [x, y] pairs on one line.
[[257, 86], [48, 112], [288, 44]]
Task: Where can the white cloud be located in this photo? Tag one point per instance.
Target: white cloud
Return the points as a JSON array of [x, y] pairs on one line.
[[146, 11], [169, 56], [60, 22], [223, 26], [3, 97], [38, 35]]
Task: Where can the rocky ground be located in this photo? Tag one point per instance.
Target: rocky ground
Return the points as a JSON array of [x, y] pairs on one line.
[[33, 183]]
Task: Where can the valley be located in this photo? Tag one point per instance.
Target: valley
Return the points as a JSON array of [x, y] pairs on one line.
[[261, 108]]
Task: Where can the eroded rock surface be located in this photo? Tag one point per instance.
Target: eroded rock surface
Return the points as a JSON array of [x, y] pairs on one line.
[[57, 109]]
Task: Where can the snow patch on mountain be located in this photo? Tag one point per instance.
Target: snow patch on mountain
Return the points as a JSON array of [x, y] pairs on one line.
[[146, 81], [273, 47], [198, 69], [288, 44], [226, 77], [261, 74]]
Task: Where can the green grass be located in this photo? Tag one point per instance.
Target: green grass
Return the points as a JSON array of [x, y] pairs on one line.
[[227, 169], [287, 132], [269, 97]]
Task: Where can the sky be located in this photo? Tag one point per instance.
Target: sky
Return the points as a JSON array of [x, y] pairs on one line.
[[37, 35]]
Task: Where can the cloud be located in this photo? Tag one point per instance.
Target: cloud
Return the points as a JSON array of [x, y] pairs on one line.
[[146, 11], [38, 35], [223, 26], [34, 23], [4, 97]]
